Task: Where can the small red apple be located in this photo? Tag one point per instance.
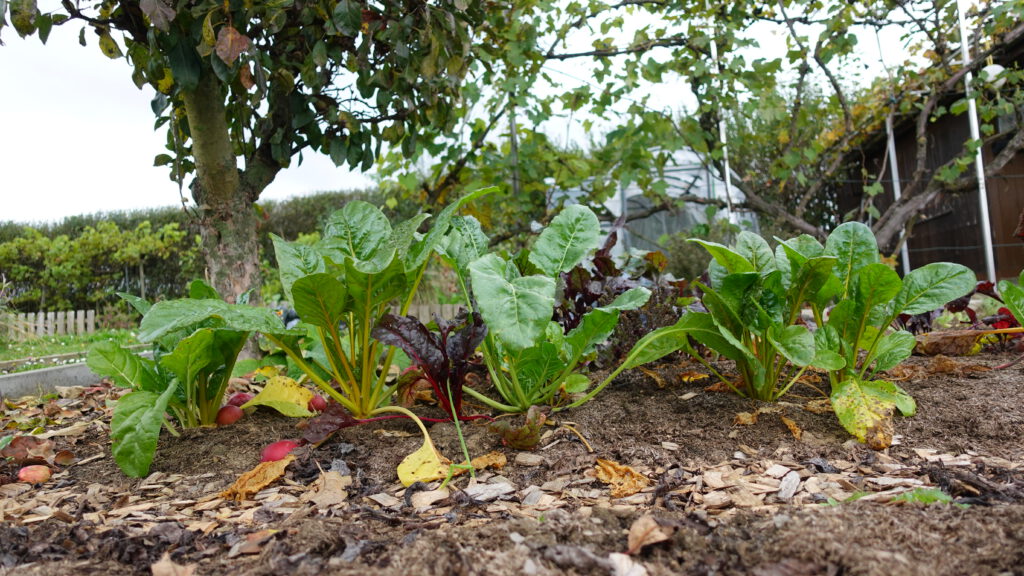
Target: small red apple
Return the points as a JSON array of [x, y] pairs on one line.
[[229, 414], [35, 474], [278, 450], [317, 403], [239, 398]]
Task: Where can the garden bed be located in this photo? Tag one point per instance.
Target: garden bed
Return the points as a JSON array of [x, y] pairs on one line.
[[731, 490]]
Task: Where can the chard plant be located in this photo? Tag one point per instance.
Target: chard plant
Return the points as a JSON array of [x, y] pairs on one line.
[[196, 341], [530, 358], [754, 317], [343, 286]]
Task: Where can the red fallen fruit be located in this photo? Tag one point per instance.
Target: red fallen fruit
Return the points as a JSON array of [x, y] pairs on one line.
[[228, 414], [278, 450], [239, 398], [317, 403], [35, 474]]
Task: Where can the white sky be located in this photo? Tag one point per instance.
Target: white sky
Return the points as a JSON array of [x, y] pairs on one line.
[[76, 136]]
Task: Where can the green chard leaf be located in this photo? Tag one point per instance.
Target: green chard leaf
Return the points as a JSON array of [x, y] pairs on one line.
[[932, 285], [135, 429], [567, 240], [516, 308]]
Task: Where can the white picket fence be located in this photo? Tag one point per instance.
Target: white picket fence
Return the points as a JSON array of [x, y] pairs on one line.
[[425, 312], [23, 326], [34, 325]]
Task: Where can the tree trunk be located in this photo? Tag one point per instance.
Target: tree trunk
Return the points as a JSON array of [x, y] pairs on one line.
[[227, 216]]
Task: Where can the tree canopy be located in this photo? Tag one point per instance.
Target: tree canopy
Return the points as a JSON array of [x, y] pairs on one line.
[[244, 87]]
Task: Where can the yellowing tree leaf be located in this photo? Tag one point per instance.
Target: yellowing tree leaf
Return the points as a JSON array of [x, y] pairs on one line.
[[230, 44], [108, 46], [263, 475], [654, 376], [423, 465], [624, 480], [284, 395], [646, 531]]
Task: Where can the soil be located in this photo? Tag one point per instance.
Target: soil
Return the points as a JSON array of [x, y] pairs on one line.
[[730, 489]]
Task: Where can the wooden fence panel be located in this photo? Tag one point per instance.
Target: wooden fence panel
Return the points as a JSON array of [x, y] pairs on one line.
[[39, 324]]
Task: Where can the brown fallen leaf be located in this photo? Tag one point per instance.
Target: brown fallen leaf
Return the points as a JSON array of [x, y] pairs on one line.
[[646, 531], [330, 489], [166, 567], [948, 342], [624, 480], [819, 406], [253, 543], [251, 482], [745, 418], [495, 460], [794, 428]]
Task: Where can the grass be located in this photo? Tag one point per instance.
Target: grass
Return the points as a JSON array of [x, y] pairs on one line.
[[52, 345]]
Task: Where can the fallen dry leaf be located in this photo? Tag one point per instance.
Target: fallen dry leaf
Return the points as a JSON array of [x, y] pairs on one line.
[[794, 428], [692, 376], [495, 460], [166, 567], [745, 419], [658, 379], [251, 482], [423, 465], [948, 342], [646, 531], [330, 489], [624, 480], [819, 406]]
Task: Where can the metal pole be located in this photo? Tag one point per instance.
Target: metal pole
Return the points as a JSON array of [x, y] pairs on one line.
[[897, 189], [722, 140], [979, 163]]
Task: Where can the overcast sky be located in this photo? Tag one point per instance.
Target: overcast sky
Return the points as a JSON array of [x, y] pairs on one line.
[[76, 136]]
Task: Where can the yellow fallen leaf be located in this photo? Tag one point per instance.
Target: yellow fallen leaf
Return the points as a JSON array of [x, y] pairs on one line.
[[646, 531], [793, 427], [692, 376], [423, 465], [284, 395], [251, 482], [624, 480], [654, 376], [819, 406], [495, 460]]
